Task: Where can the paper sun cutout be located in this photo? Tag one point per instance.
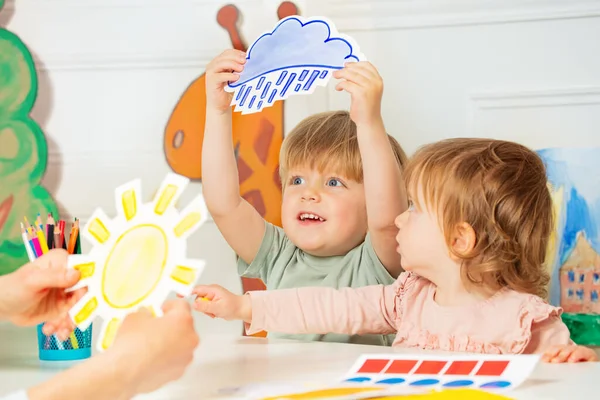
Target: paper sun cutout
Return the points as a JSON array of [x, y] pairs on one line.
[[137, 258], [293, 58]]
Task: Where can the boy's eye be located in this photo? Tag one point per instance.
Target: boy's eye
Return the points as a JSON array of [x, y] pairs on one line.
[[334, 182], [297, 180]]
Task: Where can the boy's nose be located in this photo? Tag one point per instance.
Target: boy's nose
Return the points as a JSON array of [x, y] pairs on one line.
[[310, 195]]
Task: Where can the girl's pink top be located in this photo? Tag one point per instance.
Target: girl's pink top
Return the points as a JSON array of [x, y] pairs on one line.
[[508, 322]]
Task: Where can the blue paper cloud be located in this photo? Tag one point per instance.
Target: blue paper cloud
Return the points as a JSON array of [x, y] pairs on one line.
[[293, 44]]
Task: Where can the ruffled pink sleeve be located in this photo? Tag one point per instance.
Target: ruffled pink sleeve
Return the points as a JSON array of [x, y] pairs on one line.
[[541, 327]]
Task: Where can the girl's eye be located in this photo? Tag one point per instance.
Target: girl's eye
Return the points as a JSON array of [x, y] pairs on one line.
[[334, 182], [297, 180], [411, 205]]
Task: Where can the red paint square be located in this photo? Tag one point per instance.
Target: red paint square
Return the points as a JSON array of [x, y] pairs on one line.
[[401, 366], [430, 367], [492, 368], [461, 368], [373, 366]]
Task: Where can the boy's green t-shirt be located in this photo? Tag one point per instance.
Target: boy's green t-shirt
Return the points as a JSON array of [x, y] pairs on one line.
[[282, 265]]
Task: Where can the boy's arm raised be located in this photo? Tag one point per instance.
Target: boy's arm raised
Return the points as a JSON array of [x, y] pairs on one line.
[[384, 189], [240, 224]]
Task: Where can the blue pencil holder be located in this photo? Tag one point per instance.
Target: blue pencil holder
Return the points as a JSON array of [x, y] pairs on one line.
[[77, 347]]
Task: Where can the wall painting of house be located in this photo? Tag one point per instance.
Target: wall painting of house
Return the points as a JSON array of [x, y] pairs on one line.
[[574, 251]]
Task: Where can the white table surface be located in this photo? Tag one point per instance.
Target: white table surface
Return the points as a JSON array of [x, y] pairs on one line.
[[230, 361]]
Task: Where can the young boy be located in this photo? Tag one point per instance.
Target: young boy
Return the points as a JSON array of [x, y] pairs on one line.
[[342, 190]]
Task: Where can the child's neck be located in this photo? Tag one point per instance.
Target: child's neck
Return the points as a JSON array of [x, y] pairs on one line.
[[451, 291]]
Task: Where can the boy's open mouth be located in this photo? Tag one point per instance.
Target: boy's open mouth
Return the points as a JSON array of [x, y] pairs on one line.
[[310, 217]]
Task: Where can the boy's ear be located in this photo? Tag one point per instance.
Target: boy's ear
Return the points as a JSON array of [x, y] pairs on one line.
[[464, 238]]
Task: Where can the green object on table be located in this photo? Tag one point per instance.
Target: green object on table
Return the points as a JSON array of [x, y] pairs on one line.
[[584, 328]]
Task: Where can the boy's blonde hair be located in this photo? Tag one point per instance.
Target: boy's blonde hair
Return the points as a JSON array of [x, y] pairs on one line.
[[500, 189], [327, 141]]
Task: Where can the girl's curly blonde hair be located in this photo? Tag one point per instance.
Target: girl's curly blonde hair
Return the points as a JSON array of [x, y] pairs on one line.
[[500, 189]]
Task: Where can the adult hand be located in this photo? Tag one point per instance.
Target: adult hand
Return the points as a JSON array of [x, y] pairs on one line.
[[36, 293], [156, 350]]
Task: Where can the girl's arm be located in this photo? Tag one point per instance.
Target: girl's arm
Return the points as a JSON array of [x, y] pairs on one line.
[[319, 310]]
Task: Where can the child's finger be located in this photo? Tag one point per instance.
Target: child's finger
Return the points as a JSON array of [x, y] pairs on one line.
[[551, 352], [563, 355], [348, 86], [582, 353], [227, 77], [365, 69], [205, 306], [352, 76], [227, 66], [204, 291], [233, 54]]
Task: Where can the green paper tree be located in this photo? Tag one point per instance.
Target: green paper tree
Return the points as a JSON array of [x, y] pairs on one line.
[[23, 151]]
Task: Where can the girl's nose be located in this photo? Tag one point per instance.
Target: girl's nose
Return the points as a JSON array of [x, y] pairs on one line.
[[400, 219]]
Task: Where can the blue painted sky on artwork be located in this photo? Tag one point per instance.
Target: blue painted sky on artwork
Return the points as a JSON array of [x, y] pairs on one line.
[[294, 43], [577, 171]]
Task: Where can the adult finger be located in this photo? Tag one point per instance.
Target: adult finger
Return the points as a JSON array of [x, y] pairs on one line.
[[53, 258], [176, 306], [49, 278]]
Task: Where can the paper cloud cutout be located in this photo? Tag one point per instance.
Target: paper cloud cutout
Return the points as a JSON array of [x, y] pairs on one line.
[[295, 57]]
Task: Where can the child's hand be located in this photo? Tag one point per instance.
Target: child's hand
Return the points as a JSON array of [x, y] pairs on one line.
[[217, 302], [365, 86], [571, 353], [219, 71]]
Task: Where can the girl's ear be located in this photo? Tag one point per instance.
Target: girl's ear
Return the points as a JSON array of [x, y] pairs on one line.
[[464, 239]]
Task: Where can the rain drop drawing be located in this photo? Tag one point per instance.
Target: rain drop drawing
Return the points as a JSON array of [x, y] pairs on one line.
[[298, 55]]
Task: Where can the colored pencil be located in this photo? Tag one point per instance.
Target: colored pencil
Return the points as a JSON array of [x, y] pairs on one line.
[[50, 231], [27, 244], [73, 237], [42, 239]]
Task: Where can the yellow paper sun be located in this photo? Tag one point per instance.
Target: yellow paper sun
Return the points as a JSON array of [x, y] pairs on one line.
[[137, 258]]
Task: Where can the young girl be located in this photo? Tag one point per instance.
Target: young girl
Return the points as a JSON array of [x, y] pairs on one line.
[[342, 188], [472, 244]]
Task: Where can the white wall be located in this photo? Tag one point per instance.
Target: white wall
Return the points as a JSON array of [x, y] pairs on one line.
[[111, 72]]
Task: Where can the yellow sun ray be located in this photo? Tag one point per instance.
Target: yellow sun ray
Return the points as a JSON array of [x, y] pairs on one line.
[[185, 274], [127, 199], [194, 215], [86, 266], [110, 331], [84, 311], [97, 230], [169, 192]]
